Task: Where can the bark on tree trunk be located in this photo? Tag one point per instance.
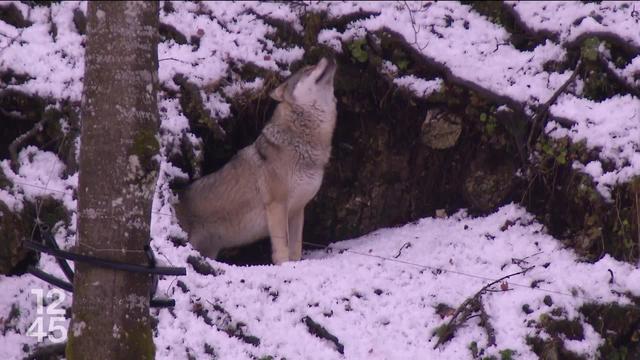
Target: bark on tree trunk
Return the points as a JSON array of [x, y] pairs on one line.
[[116, 182]]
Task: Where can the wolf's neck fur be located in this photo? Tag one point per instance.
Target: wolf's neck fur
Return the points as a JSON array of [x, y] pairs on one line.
[[307, 131], [310, 124]]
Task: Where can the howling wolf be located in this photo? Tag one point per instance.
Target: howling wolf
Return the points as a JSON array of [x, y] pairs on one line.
[[264, 188]]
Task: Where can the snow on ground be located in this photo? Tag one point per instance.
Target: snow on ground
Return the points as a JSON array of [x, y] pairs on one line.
[[54, 62], [571, 19], [386, 308], [377, 308]]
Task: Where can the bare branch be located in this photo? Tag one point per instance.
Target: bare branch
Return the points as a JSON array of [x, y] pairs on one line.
[[415, 30], [468, 307]]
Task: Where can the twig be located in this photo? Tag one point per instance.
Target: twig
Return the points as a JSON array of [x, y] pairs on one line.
[[174, 59], [469, 306], [404, 246], [415, 30], [544, 109]]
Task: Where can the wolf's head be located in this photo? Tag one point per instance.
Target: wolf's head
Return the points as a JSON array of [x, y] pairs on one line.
[[311, 86]]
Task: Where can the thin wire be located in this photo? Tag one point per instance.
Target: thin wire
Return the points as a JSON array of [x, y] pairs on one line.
[[428, 267]]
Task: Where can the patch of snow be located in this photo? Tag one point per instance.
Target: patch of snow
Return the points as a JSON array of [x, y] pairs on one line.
[[419, 87], [40, 174], [611, 126], [571, 19], [54, 64]]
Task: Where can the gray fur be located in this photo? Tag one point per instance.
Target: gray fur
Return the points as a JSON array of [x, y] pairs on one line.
[[264, 188]]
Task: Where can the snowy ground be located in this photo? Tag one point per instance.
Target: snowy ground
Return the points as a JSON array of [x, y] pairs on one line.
[[377, 308], [378, 298], [383, 306]]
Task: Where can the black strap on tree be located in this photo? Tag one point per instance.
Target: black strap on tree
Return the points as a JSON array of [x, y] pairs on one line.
[[62, 256]]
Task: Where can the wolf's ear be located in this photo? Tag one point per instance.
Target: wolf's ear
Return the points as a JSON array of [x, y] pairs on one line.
[[277, 94]]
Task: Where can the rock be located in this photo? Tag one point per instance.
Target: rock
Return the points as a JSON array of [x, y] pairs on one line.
[[441, 129], [489, 181]]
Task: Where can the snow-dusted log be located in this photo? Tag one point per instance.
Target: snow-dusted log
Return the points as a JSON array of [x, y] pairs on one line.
[[116, 182]]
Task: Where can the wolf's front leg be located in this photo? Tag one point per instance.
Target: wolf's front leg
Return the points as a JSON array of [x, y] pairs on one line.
[[278, 223], [296, 221]]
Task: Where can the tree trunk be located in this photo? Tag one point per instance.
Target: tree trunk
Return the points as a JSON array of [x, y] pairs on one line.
[[116, 182]]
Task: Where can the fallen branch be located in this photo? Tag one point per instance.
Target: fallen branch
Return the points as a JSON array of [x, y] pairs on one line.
[[466, 310]]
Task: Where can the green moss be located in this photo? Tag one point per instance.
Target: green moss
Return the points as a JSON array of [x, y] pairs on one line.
[[358, 50], [145, 147], [597, 83], [69, 348], [589, 49], [507, 354]]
